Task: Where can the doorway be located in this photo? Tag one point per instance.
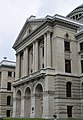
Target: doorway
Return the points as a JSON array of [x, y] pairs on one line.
[[69, 111], [8, 113]]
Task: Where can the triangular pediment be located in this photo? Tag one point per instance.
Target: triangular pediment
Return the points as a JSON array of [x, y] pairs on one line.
[[29, 26]]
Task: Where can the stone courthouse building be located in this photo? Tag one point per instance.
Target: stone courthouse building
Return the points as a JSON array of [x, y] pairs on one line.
[[49, 67], [7, 75]]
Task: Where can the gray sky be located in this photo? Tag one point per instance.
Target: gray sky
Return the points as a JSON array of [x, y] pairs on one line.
[[13, 14]]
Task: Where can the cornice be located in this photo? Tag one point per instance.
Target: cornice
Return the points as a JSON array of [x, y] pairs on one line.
[[48, 21]]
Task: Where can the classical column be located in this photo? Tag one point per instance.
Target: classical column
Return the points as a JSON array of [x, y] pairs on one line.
[[22, 106], [36, 55], [45, 49], [14, 107], [26, 62], [17, 71], [33, 56], [48, 50]]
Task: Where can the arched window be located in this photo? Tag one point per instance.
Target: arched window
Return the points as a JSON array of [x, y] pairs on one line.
[[68, 89], [8, 100]]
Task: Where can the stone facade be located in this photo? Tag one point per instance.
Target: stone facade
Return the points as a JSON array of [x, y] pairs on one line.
[[49, 67], [7, 75]]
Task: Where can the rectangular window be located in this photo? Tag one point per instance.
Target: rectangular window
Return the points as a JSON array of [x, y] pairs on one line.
[[81, 66], [9, 86], [81, 46], [68, 66], [9, 74], [67, 46], [68, 89]]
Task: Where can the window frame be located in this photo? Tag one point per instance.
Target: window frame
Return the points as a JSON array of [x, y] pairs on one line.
[[8, 100], [8, 85], [68, 89], [68, 66], [9, 73], [67, 45]]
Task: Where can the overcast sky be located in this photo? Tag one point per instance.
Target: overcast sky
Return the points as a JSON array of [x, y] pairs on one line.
[[13, 14]]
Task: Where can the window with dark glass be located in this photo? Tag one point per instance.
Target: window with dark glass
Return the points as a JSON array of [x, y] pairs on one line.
[[81, 46], [42, 51], [68, 66], [68, 89], [42, 65], [82, 89], [14, 74], [67, 46], [9, 86], [29, 30], [8, 113], [9, 74], [8, 100], [81, 66], [69, 111]]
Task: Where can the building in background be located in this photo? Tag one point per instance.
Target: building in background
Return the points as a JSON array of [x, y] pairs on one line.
[[7, 75], [49, 67]]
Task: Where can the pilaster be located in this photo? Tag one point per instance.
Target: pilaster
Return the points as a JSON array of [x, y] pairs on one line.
[[48, 104], [14, 103], [17, 71], [32, 115], [14, 107], [22, 106]]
